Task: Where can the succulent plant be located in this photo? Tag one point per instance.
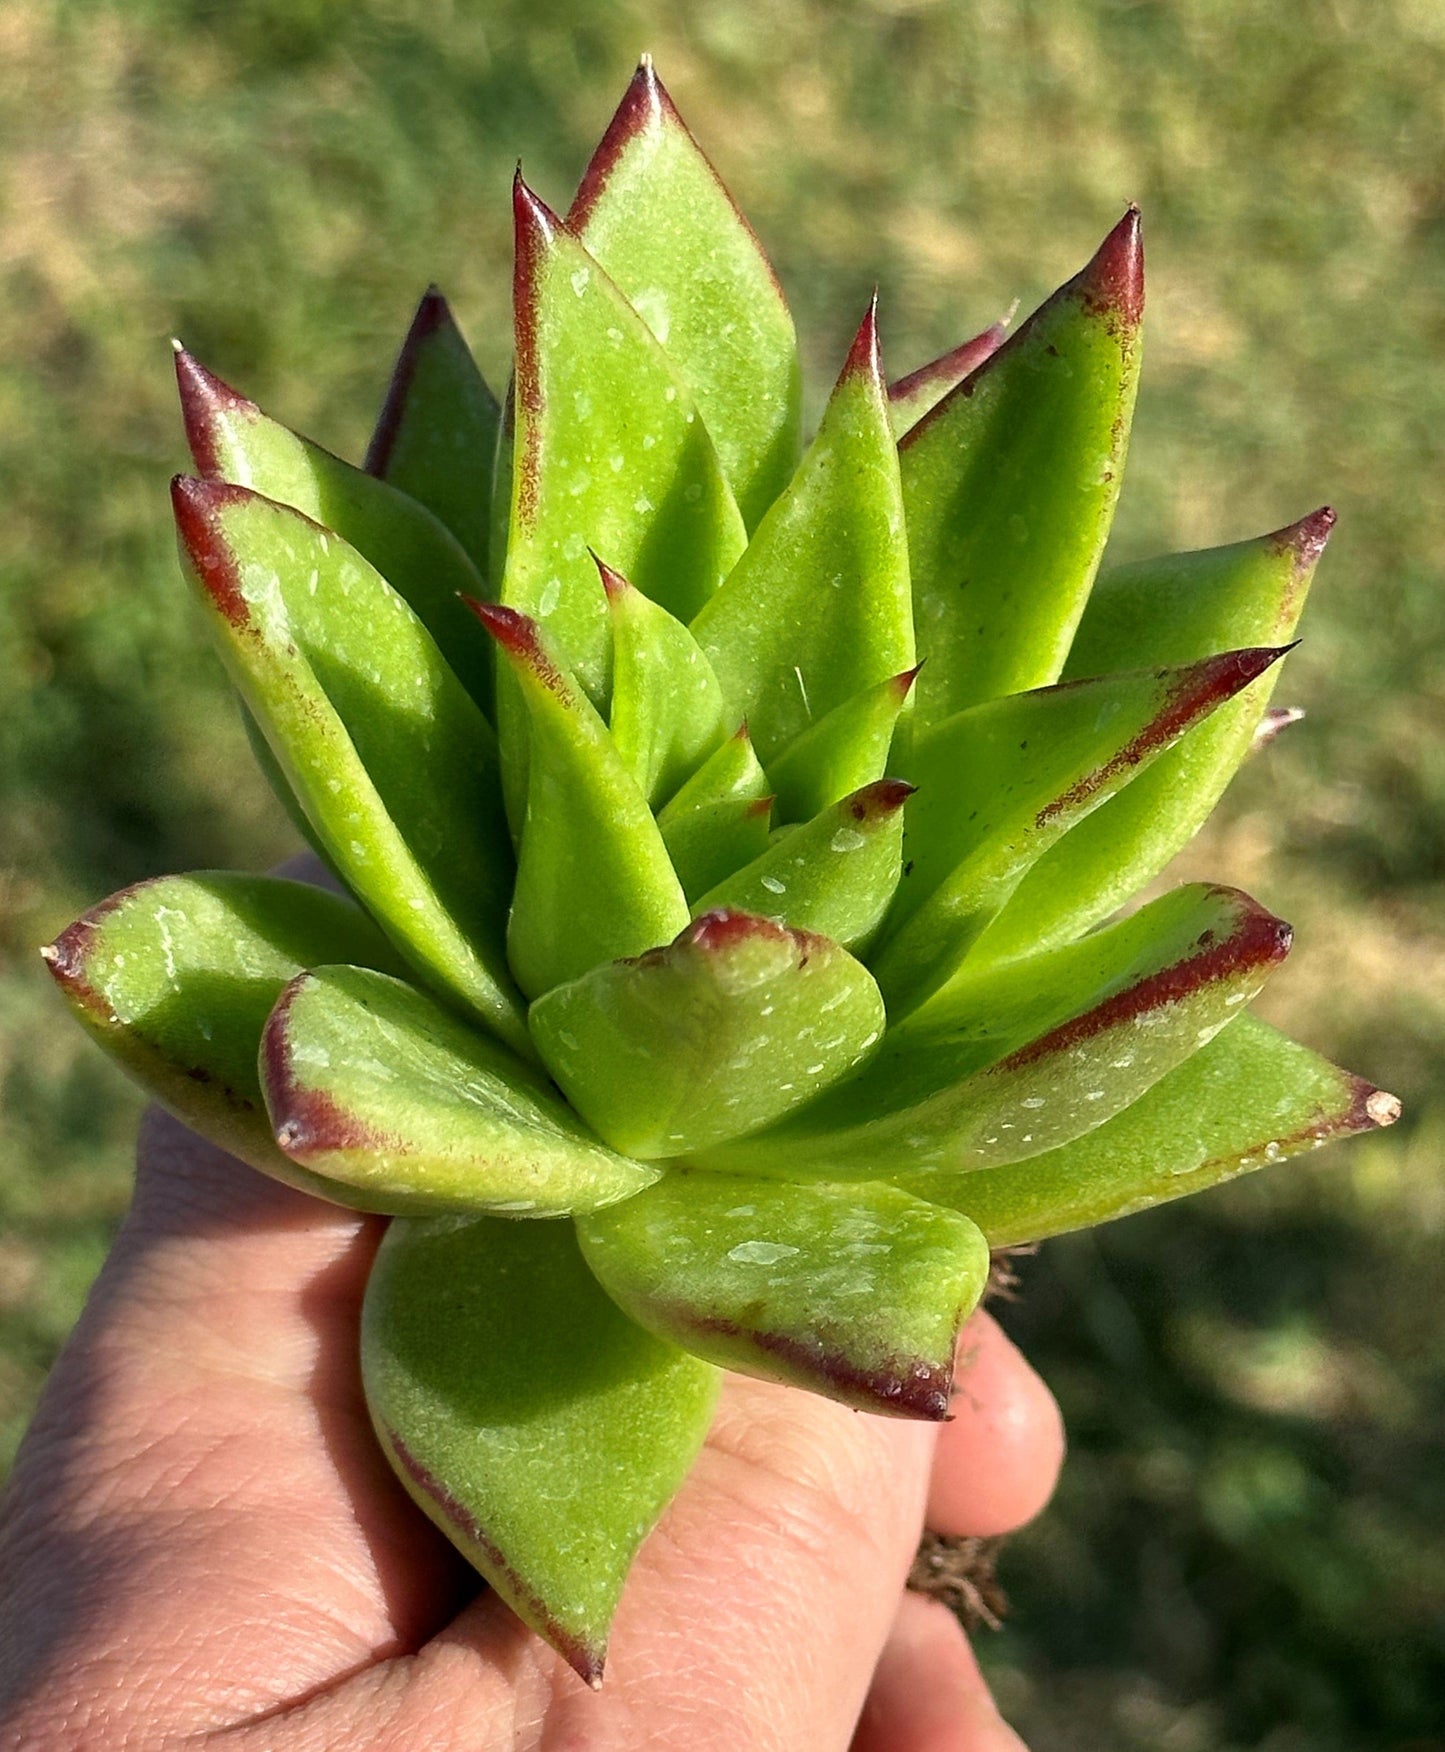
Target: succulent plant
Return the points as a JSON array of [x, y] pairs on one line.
[[736, 837]]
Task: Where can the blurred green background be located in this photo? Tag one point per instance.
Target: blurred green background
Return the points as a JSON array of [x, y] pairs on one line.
[[1247, 1551]]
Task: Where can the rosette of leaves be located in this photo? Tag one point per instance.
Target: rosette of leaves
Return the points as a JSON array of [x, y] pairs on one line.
[[733, 835]]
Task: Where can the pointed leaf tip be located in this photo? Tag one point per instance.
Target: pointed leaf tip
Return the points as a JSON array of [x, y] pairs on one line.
[[613, 583], [643, 103], [1306, 539], [1200, 685], [1113, 282], [518, 635], [864, 356], [432, 313], [881, 798], [205, 401]]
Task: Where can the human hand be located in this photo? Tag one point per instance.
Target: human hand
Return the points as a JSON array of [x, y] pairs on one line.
[[202, 1543]]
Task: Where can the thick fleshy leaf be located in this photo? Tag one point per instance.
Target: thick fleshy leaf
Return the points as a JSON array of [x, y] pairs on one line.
[[1000, 783], [654, 213], [609, 454], [667, 706], [842, 752], [436, 436], [594, 881], [911, 397], [938, 1099], [175, 978], [835, 875], [818, 608], [857, 1292], [370, 1083], [732, 1025], [719, 820], [1170, 610], [391, 760], [535, 1424], [1247, 1099], [232, 440], [1009, 487]]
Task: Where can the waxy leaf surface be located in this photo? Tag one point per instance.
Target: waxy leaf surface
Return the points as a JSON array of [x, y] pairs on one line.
[[1248, 1098], [667, 706], [1009, 487], [937, 1099], [436, 436], [593, 877], [175, 978], [536, 1425], [232, 440], [1171, 610], [726, 1029], [608, 454], [911, 397], [720, 818], [1001, 782], [840, 753], [389, 757], [370, 1083], [818, 608], [835, 875], [653, 212], [857, 1292]]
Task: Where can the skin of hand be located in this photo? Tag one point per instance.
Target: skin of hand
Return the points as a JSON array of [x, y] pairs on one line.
[[201, 1544]]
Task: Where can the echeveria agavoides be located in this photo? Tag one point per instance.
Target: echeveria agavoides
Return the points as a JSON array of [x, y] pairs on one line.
[[736, 831]]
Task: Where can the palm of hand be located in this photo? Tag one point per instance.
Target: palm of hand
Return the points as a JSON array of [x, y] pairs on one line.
[[202, 1539]]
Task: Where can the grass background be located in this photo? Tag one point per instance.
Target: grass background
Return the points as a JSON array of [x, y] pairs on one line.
[[1247, 1550]]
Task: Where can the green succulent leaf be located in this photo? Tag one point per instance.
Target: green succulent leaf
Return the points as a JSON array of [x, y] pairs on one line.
[[1001, 782], [436, 436], [911, 397], [609, 454], [667, 706], [231, 439], [857, 1292], [1249, 1098], [818, 608], [535, 1424], [974, 1085], [834, 876], [653, 212], [175, 978], [370, 1083], [1009, 486], [389, 757], [1171, 610], [729, 1027], [841, 752], [594, 881], [720, 819]]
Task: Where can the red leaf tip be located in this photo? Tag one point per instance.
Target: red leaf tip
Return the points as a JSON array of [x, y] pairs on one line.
[[432, 314], [864, 357], [521, 638], [882, 798], [613, 583], [206, 401], [1112, 285], [1306, 539], [904, 680], [644, 104], [952, 367]]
